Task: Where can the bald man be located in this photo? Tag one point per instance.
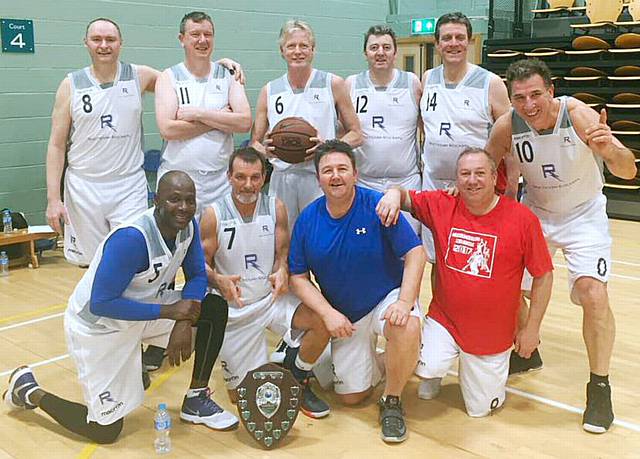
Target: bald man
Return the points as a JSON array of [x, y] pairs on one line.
[[127, 297]]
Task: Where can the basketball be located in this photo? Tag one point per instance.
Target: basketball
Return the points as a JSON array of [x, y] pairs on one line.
[[290, 137]]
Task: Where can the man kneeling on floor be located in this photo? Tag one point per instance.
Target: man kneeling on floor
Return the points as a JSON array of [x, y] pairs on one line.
[[127, 297], [483, 242], [245, 235], [369, 279]]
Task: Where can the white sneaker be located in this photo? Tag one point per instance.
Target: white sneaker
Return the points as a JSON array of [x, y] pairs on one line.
[[201, 409], [429, 388]]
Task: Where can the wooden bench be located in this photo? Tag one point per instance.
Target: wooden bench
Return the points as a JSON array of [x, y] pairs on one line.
[[27, 240]]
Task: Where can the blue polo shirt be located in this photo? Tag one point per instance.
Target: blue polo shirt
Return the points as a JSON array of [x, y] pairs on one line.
[[355, 259]]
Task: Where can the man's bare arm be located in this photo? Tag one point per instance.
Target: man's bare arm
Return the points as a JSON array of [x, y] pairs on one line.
[[353, 133], [260, 123], [56, 151]]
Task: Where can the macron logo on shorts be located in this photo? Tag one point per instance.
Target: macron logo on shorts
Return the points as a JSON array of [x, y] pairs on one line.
[[470, 252]]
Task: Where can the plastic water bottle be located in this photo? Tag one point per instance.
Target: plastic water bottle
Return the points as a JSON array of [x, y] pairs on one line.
[[162, 442], [7, 222], [4, 264]]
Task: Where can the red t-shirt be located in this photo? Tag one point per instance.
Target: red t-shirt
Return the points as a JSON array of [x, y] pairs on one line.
[[480, 262]]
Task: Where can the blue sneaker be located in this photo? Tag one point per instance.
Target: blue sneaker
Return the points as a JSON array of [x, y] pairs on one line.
[[21, 381], [201, 409]]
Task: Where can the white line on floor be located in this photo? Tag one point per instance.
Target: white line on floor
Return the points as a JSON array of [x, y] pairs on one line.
[[38, 364], [32, 321], [560, 405]]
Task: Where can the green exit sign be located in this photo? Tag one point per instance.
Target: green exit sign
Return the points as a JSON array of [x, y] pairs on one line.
[[423, 26]]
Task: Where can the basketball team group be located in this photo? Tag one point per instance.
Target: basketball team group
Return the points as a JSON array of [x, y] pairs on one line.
[[332, 257]]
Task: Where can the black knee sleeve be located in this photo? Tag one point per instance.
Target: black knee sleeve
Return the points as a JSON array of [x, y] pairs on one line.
[[209, 335]]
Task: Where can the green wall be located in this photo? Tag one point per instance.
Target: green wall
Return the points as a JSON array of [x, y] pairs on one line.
[[246, 30]]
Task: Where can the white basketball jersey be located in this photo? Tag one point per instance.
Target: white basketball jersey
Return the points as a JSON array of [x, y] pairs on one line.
[[106, 125], [454, 118], [247, 248], [209, 151], [151, 286], [560, 170], [389, 117], [314, 103]]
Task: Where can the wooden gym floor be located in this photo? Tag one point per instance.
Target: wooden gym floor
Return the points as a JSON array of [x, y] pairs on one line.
[[541, 418]]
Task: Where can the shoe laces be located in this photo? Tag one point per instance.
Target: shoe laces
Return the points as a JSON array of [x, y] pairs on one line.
[[205, 398]]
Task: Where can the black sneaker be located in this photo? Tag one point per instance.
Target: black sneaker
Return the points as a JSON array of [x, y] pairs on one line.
[[394, 429], [518, 365], [598, 416], [146, 379], [278, 355], [152, 357], [312, 405]]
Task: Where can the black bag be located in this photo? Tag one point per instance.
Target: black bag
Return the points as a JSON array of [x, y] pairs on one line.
[[18, 220]]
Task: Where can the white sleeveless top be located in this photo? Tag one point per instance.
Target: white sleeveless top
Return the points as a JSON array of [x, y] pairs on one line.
[[560, 170], [247, 248], [106, 125], [314, 103], [454, 118], [388, 118], [209, 151], [151, 286]]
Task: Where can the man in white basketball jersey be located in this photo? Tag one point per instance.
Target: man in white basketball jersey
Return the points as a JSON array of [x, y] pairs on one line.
[[245, 236], [98, 116], [126, 297], [460, 102], [387, 103], [318, 97], [560, 145], [199, 106]]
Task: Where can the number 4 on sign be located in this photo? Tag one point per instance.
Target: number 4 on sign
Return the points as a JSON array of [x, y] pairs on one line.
[[18, 41]]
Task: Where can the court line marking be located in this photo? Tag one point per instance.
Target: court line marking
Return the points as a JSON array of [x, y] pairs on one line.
[[88, 450], [24, 315], [38, 364], [626, 263], [560, 405], [30, 322], [610, 275]]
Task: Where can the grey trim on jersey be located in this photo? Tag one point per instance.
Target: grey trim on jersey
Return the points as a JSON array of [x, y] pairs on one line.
[[478, 79], [435, 77], [219, 72], [518, 125], [126, 73], [80, 79], [179, 72], [362, 80], [319, 80], [278, 86], [226, 209], [89, 317], [402, 82]]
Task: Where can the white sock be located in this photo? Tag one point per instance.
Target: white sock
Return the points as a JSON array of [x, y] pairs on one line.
[[302, 365], [195, 392]]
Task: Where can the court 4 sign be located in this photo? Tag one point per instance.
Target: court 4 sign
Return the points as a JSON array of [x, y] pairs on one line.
[[17, 35]]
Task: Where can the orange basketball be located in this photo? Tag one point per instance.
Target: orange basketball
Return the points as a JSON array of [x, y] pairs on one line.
[[290, 137]]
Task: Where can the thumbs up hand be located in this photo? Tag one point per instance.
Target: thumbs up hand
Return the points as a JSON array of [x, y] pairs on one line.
[[599, 136]]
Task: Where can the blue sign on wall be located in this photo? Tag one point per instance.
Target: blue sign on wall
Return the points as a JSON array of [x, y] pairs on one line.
[[17, 35]]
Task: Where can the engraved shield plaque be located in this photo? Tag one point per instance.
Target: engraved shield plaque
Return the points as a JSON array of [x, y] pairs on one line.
[[268, 403]]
